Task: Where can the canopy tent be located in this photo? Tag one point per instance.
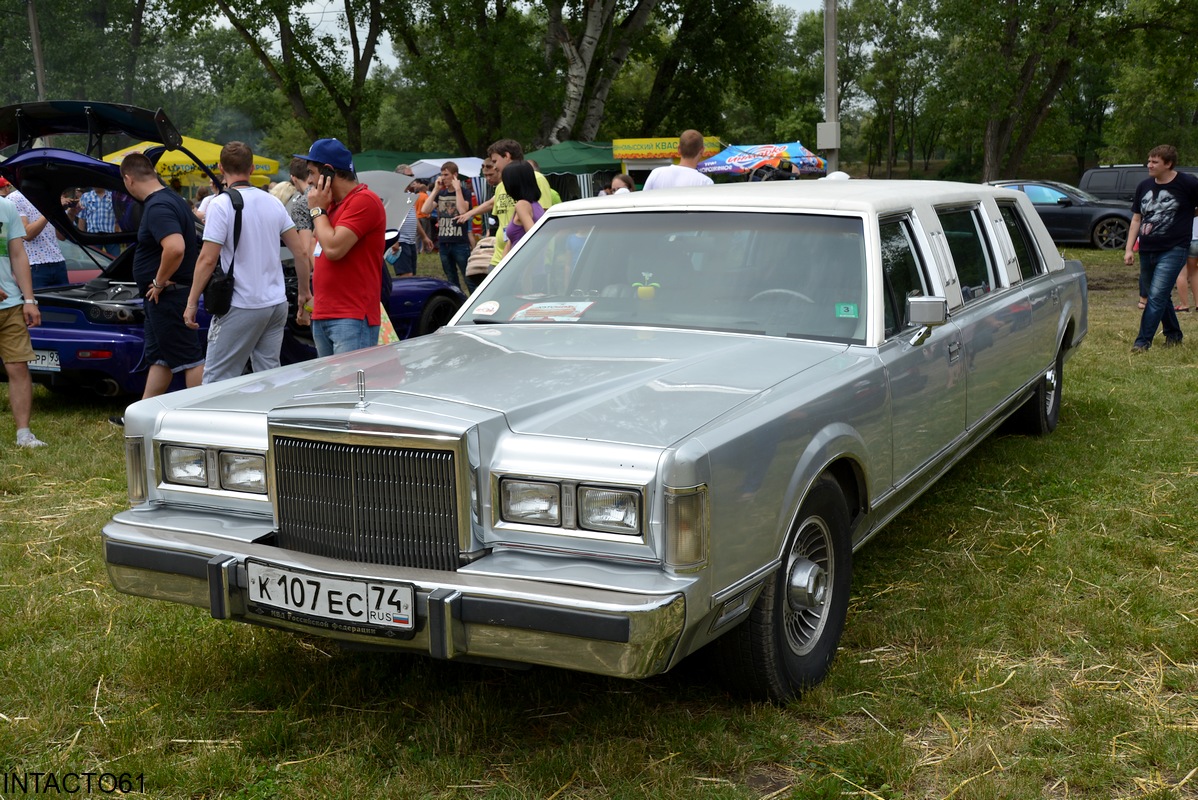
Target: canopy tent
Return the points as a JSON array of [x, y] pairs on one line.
[[388, 160], [176, 164], [468, 166], [739, 159], [576, 158]]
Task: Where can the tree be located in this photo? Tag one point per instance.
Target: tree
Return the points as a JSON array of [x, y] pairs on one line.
[[594, 52], [1155, 97], [481, 64], [1008, 59], [310, 63]]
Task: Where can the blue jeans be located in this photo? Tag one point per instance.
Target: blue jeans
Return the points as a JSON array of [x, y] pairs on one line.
[[1159, 271], [453, 260], [343, 335], [53, 273]]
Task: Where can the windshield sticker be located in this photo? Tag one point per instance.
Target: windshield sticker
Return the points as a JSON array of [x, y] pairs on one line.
[[552, 312], [846, 311], [486, 309]]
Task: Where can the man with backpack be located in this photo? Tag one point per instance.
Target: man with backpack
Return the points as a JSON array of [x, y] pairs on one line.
[[245, 242]]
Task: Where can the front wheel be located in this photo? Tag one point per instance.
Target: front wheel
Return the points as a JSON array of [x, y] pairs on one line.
[[789, 640], [1110, 233]]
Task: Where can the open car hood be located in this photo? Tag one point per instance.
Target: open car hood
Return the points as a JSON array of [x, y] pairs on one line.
[[23, 123], [44, 173]]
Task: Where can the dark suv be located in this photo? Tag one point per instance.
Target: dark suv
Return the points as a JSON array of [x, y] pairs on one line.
[[1118, 181]]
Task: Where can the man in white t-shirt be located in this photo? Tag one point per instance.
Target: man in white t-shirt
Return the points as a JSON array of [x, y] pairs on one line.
[[684, 173], [253, 329]]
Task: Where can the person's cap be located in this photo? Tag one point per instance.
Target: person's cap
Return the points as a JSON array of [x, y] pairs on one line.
[[331, 152], [3, 182]]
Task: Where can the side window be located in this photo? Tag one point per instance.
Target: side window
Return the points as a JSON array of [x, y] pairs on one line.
[[971, 256], [1025, 250], [1043, 195], [902, 276]]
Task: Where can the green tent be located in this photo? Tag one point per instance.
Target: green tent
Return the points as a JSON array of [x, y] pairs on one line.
[[388, 160], [576, 158]]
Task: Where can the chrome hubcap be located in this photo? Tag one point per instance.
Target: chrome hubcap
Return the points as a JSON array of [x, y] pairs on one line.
[[809, 575]]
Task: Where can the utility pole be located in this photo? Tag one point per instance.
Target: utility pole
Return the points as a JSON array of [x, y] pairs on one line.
[[828, 132], [35, 38]]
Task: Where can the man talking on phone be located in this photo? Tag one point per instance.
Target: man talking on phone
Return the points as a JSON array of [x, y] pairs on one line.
[[349, 225]]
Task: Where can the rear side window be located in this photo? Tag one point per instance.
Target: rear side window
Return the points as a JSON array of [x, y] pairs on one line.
[[971, 256], [1021, 238], [902, 273], [1102, 181]]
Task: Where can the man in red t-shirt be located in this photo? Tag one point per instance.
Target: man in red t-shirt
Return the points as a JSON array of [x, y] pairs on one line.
[[349, 224]]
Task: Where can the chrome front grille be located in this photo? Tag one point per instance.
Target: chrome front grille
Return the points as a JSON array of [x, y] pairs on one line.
[[368, 503]]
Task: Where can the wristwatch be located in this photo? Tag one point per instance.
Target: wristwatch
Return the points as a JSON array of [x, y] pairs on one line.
[[31, 301], [315, 212]]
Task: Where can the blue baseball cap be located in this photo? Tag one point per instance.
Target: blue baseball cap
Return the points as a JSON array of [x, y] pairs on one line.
[[331, 152]]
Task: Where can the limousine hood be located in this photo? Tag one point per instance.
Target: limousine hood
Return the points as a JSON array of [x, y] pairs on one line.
[[547, 379]]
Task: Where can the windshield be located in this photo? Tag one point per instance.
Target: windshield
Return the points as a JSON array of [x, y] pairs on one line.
[[775, 274]]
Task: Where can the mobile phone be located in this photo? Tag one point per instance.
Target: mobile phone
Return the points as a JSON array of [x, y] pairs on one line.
[[327, 172]]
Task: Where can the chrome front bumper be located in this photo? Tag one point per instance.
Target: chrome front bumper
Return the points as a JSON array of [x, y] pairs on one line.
[[475, 615]]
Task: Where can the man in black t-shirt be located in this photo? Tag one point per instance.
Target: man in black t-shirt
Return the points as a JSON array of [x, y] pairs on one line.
[[1162, 219], [451, 197], [163, 264]]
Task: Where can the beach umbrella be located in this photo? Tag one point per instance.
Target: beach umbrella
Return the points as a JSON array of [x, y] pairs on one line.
[[739, 159], [176, 164]]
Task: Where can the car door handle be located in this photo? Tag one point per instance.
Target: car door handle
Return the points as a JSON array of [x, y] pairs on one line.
[[954, 351]]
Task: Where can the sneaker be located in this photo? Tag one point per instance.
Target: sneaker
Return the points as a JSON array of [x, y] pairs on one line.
[[118, 420], [29, 440], [1139, 348]]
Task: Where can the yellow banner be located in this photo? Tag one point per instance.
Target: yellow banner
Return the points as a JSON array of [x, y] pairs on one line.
[[657, 148]]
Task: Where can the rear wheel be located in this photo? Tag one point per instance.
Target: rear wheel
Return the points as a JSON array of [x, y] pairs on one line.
[[1040, 414], [789, 640], [1110, 233], [436, 312]]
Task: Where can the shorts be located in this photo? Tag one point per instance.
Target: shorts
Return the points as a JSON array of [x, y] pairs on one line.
[[1193, 253], [15, 346], [169, 342]]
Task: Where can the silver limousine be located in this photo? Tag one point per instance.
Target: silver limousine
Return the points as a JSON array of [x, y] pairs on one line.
[[666, 421]]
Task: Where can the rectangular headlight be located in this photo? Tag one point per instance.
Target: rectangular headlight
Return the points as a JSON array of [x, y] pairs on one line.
[[531, 502], [243, 472], [185, 465], [609, 510]]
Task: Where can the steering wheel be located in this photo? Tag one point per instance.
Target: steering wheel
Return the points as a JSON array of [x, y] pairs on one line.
[[780, 293]]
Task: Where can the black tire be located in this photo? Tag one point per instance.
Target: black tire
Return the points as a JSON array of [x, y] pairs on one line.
[[436, 312], [789, 640], [1110, 233], [1040, 414]]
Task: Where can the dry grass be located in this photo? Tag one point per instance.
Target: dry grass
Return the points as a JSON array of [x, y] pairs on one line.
[[1028, 629]]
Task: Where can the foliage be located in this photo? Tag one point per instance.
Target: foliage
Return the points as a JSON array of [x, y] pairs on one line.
[[1155, 96], [992, 87], [479, 64]]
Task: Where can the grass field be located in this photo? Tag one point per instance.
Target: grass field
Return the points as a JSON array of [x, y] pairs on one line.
[[1028, 629]]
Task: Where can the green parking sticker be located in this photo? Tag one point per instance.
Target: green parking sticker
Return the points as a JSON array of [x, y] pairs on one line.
[[846, 311]]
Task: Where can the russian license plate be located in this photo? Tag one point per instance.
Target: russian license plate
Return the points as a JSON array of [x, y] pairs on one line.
[[353, 606], [45, 360]]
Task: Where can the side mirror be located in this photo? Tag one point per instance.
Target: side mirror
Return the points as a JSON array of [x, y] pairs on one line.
[[927, 312]]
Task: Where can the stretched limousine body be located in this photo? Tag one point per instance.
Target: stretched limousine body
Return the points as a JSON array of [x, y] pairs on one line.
[[666, 420]]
